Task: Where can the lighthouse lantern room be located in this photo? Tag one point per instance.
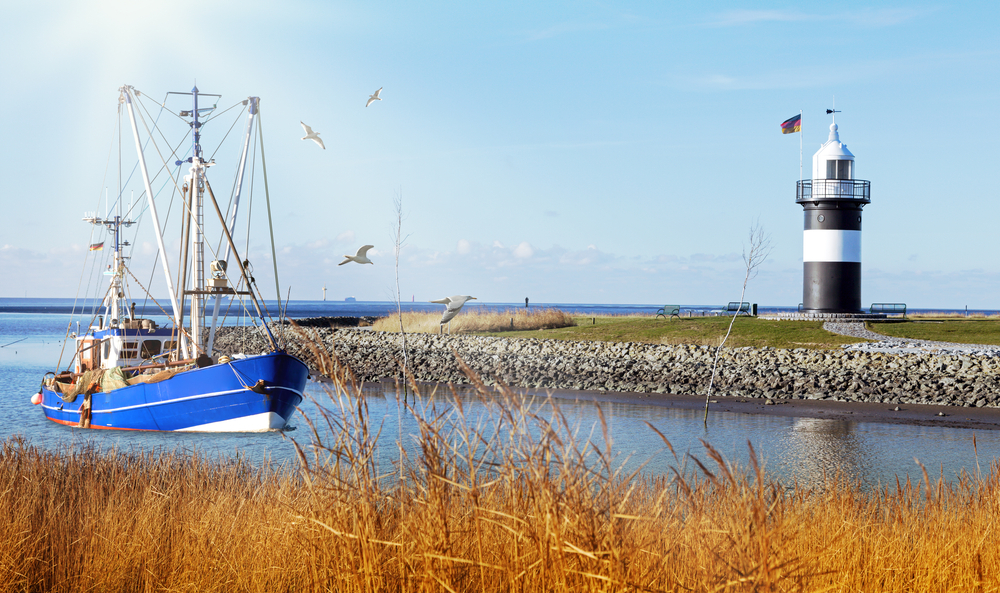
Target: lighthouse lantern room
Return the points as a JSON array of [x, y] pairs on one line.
[[831, 243]]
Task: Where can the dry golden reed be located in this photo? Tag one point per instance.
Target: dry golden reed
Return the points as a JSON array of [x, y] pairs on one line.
[[473, 319], [951, 315], [514, 500]]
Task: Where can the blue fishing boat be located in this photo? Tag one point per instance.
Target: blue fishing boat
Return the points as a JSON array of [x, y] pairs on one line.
[[133, 373]]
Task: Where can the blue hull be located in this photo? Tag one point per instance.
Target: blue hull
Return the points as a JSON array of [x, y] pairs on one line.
[[216, 398]]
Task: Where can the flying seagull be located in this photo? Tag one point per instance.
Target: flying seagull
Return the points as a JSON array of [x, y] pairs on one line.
[[310, 135], [452, 305], [361, 257], [374, 97]]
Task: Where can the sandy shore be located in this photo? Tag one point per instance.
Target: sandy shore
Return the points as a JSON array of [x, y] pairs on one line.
[[917, 414]]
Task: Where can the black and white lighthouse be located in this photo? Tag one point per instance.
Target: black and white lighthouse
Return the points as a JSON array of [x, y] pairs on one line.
[[831, 242]]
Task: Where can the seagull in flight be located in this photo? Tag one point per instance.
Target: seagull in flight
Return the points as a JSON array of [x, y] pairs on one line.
[[453, 305], [310, 135], [374, 97], [361, 257]]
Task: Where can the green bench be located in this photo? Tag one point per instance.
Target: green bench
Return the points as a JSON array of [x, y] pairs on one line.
[[736, 308], [889, 309], [667, 311]]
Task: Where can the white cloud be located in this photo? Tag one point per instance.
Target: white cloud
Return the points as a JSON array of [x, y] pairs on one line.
[[346, 237], [498, 244], [464, 247], [524, 250]]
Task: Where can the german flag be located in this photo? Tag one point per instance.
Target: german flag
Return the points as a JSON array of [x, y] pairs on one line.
[[97, 246], [792, 125]]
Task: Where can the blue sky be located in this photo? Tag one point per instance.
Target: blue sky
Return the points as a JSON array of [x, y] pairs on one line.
[[567, 152]]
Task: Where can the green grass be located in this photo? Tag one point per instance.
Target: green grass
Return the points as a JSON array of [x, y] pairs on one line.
[[697, 330], [964, 331]]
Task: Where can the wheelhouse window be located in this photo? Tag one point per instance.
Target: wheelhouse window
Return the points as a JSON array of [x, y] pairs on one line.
[[150, 348], [130, 349]]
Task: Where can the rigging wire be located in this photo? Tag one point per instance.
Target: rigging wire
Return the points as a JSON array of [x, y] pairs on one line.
[[253, 182], [163, 103], [267, 200], [160, 154], [236, 175], [219, 146], [243, 102], [246, 252], [156, 256]]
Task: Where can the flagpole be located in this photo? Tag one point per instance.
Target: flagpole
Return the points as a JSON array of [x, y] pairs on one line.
[[800, 144]]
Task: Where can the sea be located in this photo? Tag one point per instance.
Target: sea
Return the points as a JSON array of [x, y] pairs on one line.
[[805, 450]]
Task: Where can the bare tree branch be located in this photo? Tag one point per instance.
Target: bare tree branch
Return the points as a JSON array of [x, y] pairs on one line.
[[755, 252], [397, 242]]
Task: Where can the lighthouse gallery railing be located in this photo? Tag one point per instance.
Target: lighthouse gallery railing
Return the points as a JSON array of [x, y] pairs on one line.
[[815, 190]]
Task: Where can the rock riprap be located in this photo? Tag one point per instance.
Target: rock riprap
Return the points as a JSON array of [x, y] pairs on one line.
[[957, 379]]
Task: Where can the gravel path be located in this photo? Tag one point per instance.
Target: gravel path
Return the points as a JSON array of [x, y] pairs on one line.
[[903, 345]]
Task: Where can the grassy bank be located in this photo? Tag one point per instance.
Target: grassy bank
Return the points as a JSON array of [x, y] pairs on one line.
[[747, 331], [945, 329], [540, 508]]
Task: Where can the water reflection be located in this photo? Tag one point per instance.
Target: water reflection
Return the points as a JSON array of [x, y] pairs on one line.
[[823, 448]]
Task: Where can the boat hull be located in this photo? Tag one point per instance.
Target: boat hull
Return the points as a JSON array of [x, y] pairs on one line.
[[218, 398]]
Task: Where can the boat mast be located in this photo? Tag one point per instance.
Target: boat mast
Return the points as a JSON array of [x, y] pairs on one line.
[[197, 238], [126, 95]]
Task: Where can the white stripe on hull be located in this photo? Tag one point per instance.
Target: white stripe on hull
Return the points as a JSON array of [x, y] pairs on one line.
[[170, 401], [829, 245], [254, 423]]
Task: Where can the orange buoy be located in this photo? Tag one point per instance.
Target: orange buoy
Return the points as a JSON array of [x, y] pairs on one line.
[[36, 398]]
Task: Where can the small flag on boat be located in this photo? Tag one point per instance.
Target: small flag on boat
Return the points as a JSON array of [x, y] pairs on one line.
[[97, 246], [792, 125]]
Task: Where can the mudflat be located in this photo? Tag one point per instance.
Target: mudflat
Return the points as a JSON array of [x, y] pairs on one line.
[[916, 414]]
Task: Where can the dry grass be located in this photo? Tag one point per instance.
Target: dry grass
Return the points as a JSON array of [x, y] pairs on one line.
[[112, 521], [473, 320], [951, 315], [537, 507]]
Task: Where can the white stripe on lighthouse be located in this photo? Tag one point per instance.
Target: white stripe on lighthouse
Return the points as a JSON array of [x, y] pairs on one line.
[[830, 245]]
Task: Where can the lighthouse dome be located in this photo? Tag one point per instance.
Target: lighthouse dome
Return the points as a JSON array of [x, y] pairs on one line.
[[833, 160]]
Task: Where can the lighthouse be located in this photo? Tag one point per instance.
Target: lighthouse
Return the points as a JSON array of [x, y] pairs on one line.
[[831, 240]]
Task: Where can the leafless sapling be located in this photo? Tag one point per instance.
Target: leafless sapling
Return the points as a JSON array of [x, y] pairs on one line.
[[755, 252]]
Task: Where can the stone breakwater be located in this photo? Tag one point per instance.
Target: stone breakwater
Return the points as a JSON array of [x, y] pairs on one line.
[[958, 379]]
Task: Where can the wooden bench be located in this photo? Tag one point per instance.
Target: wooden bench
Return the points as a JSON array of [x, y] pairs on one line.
[[889, 308], [736, 308], [667, 311]]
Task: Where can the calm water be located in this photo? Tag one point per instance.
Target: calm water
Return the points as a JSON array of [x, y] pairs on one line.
[[794, 448]]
